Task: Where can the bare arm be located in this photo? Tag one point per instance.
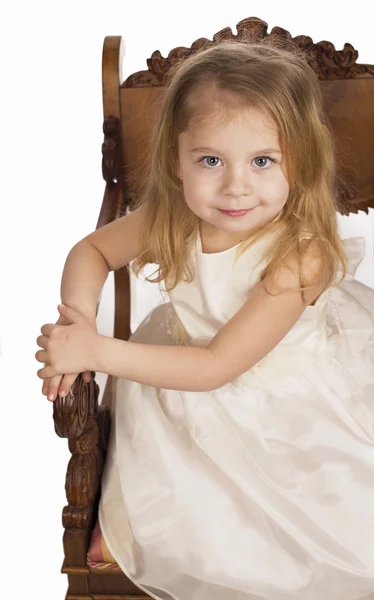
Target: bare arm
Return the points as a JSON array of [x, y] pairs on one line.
[[84, 275], [263, 320], [88, 263], [183, 368], [86, 269]]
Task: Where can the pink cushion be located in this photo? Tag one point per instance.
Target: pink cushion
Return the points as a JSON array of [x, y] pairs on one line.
[[99, 556]]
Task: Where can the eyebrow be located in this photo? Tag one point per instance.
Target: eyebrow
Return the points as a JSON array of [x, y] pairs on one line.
[[215, 151]]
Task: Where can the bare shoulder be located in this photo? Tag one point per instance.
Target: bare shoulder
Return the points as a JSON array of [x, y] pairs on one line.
[[288, 276], [118, 241]]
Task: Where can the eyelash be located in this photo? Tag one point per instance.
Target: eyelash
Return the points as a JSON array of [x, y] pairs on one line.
[[212, 167]]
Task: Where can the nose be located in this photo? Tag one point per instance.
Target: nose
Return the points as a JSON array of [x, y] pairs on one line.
[[236, 183]]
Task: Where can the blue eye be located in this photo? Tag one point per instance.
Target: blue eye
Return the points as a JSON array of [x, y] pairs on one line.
[[264, 157], [204, 157], [210, 165]]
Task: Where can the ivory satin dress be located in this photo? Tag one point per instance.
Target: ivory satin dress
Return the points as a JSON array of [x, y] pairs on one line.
[[262, 488]]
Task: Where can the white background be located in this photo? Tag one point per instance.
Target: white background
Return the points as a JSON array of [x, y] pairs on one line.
[[51, 193]]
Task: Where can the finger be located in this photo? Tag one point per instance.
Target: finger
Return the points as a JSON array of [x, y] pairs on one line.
[[47, 328], [47, 372], [61, 385], [87, 376], [41, 356], [45, 386], [68, 381], [70, 313], [42, 340], [54, 384], [66, 384]]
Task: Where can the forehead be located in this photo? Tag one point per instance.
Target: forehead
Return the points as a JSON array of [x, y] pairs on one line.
[[247, 123]]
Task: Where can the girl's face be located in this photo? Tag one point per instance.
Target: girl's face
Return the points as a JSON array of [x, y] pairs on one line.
[[233, 166]]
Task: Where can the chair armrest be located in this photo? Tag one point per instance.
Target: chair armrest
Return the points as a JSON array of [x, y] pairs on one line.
[[79, 418]]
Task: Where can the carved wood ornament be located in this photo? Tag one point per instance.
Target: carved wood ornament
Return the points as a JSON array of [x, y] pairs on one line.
[[111, 149], [79, 418], [325, 60]]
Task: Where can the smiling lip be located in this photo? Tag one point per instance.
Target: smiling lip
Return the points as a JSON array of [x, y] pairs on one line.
[[236, 213]]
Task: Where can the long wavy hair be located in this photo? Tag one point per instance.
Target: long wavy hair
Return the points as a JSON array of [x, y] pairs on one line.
[[229, 76]]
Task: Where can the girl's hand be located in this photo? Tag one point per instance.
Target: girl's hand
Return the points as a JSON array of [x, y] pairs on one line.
[[69, 347], [60, 385]]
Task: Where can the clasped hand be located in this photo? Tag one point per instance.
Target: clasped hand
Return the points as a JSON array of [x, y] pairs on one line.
[[67, 348]]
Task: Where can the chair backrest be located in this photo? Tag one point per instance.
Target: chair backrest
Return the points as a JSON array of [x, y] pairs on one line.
[[130, 108]]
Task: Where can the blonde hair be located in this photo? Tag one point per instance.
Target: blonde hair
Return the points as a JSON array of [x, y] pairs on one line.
[[280, 83]]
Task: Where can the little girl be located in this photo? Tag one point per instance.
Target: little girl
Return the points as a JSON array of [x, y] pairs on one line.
[[241, 457]]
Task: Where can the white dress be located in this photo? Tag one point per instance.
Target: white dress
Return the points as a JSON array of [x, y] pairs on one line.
[[263, 488]]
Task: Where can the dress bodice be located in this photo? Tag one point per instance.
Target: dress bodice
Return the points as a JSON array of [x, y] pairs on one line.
[[221, 286], [339, 323]]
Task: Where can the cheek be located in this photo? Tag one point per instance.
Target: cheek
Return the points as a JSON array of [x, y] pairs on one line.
[[285, 189], [190, 190], [277, 189], [197, 186]]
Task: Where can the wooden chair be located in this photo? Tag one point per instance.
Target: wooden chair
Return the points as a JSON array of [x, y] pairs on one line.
[[129, 109]]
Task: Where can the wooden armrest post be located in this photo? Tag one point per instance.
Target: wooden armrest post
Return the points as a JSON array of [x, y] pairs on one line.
[[86, 425]]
